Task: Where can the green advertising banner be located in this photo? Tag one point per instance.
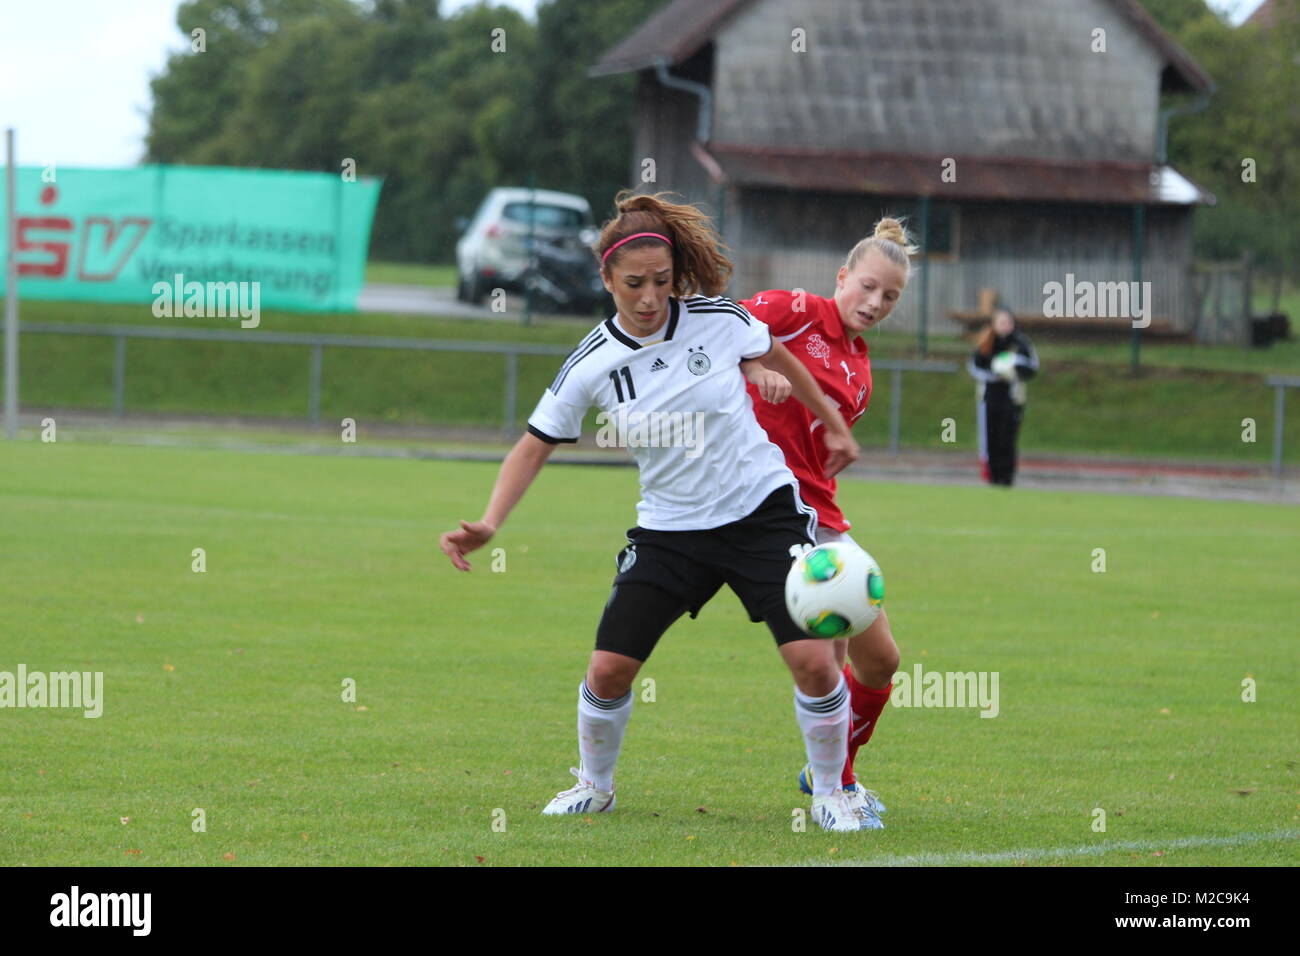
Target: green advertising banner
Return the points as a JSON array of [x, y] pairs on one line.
[[139, 235]]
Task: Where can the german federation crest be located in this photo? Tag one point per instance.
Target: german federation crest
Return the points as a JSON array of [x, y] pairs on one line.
[[698, 363]]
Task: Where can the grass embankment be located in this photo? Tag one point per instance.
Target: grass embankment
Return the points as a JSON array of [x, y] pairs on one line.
[[1186, 402]]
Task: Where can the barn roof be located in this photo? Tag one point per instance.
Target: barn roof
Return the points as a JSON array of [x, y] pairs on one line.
[[681, 27], [978, 178], [1265, 16], [672, 33]]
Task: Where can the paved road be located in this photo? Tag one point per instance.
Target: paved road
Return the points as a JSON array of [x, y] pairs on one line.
[[439, 300], [418, 300], [1189, 479]]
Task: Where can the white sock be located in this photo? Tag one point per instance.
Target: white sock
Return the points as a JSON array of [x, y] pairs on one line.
[[600, 734], [825, 725]]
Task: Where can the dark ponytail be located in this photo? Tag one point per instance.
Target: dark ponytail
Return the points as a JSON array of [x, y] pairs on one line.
[[699, 263]]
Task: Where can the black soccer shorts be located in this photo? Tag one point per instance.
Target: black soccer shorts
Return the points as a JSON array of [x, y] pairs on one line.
[[664, 574]]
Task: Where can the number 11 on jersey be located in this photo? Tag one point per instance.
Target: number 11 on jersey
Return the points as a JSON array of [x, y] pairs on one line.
[[618, 386]]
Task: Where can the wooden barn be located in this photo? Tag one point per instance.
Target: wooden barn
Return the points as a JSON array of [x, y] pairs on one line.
[[1265, 17], [1023, 139]]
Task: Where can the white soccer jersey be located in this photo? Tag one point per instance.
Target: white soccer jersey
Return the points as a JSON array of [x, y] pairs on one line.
[[680, 406]]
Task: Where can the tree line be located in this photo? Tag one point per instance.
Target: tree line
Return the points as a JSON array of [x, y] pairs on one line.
[[443, 108], [1245, 145], [446, 107]]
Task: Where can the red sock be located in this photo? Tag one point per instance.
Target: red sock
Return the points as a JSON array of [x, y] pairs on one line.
[[865, 705]]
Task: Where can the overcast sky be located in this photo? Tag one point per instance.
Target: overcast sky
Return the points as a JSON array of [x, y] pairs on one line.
[[74, 74]]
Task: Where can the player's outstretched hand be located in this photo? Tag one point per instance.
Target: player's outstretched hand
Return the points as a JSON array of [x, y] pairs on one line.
[[773, 386], [457, 544], [841, 451]]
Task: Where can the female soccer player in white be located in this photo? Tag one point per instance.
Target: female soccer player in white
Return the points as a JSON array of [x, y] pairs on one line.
[[724, 511], [825, 335]]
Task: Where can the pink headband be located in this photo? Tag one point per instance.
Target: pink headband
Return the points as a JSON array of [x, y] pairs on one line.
[[635, 235]]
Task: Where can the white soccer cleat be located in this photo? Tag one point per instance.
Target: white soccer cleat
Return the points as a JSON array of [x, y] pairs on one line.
[[833, 812], [866, 807], [871, 798], [584, 798]]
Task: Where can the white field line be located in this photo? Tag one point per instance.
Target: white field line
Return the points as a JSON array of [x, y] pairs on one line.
[[1050, 853]]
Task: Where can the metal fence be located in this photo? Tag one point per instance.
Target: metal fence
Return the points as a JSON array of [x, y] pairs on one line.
[[1211, 301], [316, 344], [955, 286], [1280, 383]]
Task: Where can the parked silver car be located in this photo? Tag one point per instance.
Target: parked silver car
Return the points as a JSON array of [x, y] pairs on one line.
[[494, 251]]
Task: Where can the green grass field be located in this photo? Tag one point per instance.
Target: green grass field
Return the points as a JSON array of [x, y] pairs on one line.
[[1084, 402], [1119, 690]]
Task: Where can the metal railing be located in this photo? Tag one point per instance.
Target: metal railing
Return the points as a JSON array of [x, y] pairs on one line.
[[897, 367], [1280, 383], [316, 343]]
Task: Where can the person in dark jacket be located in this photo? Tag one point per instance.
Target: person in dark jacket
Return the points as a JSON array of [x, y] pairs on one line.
[[1002, 362]]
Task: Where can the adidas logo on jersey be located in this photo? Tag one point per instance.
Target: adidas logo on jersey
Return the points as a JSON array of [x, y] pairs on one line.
[[659, 365]]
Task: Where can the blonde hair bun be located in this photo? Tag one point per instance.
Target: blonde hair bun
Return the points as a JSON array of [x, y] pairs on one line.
[[891, 240], [892, 230]]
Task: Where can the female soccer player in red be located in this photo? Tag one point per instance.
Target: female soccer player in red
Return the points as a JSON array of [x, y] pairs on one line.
[[825, 334]]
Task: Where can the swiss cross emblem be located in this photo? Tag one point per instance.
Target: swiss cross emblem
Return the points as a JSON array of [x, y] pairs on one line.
[[818, 348]]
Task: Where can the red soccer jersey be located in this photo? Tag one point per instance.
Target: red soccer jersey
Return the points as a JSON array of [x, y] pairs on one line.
[[842, 369]]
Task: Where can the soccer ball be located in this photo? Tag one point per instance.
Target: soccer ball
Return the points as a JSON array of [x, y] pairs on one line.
[[834, 590], [1004, 365]]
